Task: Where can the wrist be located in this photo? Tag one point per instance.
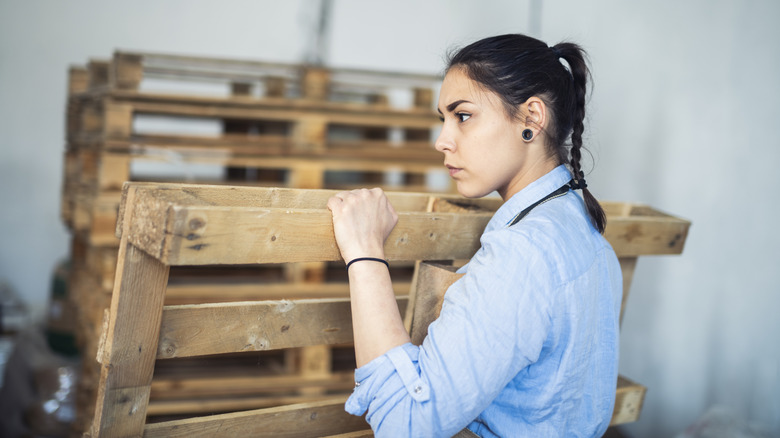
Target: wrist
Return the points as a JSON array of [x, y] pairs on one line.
[[368, 260], [375, 252]]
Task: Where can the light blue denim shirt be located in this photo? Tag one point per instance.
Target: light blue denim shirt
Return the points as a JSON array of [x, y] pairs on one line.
[[526, 343]]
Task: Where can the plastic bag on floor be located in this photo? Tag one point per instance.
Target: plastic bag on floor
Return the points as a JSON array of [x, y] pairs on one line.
[[38, 394]]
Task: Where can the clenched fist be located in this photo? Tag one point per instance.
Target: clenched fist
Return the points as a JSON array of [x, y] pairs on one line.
[[362, 220]]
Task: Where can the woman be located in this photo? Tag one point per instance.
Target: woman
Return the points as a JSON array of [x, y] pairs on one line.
[[527, 340]]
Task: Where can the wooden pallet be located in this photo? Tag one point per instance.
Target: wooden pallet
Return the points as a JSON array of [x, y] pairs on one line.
[[280, 125], [299, 132], [129, 70], [168, 225]]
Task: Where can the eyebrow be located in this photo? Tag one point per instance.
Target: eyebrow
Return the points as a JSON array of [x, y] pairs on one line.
[[453, 105]]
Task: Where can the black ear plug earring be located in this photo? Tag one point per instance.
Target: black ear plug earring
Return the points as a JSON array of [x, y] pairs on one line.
[[527, 134]]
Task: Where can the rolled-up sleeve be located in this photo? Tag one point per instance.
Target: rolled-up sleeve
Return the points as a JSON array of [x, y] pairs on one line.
[[487, 332]]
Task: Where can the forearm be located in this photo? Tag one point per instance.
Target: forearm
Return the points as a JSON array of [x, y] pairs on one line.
[[376, 321]]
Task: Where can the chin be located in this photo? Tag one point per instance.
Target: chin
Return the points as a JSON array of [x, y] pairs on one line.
[[472, 192]]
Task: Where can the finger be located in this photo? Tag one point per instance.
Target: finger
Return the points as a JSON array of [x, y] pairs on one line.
[[334, 202]]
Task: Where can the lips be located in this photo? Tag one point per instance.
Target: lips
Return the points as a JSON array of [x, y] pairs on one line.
[[453, 170]]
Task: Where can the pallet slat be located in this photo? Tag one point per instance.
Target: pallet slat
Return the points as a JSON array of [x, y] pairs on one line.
[[303, 420], [194, 330]]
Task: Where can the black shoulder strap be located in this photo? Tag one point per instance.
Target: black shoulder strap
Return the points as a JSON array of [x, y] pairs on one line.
[[560, 192]]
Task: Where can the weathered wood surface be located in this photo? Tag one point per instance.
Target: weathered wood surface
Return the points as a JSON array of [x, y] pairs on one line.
[[128, 353], [238, 107], [185, 387], [234, 146], [200, 329], [196, 224], [178, 294], [628, 401], [429, 285], [129, 68], [300, 421]]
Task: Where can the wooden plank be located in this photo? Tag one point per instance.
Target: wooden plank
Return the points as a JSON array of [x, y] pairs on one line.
[[224, 231], [316, 83], [628, 401], [273, 109], [200, 329], [210, 406], [423, 98], [78, 80], [359, 434], [126, 71], [183, 387], [275, 86], [180, 233], [228, 145], [178, 294], [641, 234], [303, 420], [229, 67], [133, 328], [117, 119], [430, 284], [114, 170], [240, 236], [97, 72]]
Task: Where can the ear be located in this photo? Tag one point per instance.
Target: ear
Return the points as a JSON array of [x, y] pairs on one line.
[[535, 112]]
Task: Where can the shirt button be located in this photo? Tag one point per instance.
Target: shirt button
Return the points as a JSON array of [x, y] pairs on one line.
[[417, 389]]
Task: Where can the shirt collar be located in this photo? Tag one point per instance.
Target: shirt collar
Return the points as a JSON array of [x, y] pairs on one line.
[[533, 192]]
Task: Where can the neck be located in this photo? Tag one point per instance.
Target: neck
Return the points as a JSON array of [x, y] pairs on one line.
[[527, 175]]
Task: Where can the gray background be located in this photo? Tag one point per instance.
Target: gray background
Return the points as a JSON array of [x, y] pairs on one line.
[[683, 116]]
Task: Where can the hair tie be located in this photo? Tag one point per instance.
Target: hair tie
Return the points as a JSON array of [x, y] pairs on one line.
[[371, 259], [579, 184], [556, 52]]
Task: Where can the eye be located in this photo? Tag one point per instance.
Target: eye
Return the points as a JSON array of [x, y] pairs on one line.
[[441, 119], [462, 117]]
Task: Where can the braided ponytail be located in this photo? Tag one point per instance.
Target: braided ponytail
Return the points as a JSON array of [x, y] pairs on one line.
[[573, 55]]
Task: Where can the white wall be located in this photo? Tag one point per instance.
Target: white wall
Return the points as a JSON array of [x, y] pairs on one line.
[[683, 117]]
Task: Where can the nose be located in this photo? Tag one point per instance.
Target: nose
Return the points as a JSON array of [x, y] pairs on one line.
[[444, 142]]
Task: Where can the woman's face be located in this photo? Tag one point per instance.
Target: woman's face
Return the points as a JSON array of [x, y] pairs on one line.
[[483, 148]]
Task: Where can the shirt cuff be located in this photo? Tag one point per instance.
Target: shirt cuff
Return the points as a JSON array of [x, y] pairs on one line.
[[384, 375]]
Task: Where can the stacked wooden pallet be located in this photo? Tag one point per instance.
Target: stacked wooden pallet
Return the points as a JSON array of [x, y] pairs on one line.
[[162, 226], [153, 117]]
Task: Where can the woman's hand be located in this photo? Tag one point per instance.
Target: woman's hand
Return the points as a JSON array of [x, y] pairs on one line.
[[362, 220]]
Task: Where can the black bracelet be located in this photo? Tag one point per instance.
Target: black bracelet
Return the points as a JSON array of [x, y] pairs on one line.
[[373, 259]]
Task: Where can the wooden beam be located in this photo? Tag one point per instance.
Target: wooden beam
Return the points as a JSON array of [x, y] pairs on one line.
[[273, 109], [300, 421], [200, 329], [197, 225], [643, 233], [178, 294], [78, 80], [126, 71], [179, 387], [628, 401], [128, 354], [427, 293], [194, 226], [213, 405]]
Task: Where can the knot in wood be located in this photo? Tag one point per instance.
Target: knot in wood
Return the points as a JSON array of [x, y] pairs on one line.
[[168, 349], [196, 223]]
